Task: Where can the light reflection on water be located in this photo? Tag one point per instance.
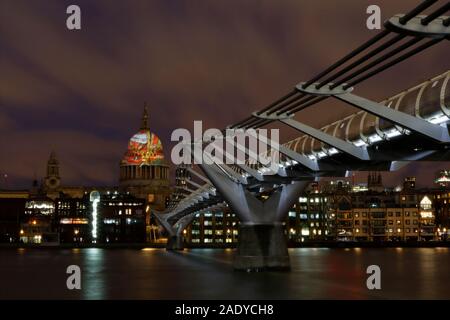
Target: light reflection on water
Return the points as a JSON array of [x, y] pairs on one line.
[[407, 273], [93, 280]]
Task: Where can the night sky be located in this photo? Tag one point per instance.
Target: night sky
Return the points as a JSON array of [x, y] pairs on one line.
[[81, 93]]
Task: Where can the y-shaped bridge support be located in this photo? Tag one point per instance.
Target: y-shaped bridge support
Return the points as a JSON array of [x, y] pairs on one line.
[[175, 239], [262, 242]]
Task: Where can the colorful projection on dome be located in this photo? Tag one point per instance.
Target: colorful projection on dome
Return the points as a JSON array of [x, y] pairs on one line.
[[144, 148]]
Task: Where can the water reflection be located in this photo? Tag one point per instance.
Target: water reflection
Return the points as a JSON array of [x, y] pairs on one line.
[[407, 273], [94, 274]]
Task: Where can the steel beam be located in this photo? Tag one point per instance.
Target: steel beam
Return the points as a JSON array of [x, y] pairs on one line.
[[301, 159], [415, 27], [402, 119], [344, 146]]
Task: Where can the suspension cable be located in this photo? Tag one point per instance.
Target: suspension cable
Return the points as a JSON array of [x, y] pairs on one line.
[[394, 62], [383, 58]]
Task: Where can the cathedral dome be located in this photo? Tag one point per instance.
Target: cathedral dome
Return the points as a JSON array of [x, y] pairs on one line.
[[144, 147], [143, 171]]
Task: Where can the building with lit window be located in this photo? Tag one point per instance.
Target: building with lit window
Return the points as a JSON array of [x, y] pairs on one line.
[[409, 183], [387, 215], [333, 211], [218, 227], [122, 218], [310, 219], [37, 230], [441, 202], [36, 224], [427, 219], [72, 219]]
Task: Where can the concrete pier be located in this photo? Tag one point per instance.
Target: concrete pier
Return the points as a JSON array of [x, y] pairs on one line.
[[262, 247]]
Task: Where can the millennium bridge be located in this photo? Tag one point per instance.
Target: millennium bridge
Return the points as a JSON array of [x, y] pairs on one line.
[[411, 126]]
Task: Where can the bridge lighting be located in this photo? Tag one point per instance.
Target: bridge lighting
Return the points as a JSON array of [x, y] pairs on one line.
[[393, 133], [375, 138], [333, 151], [439, 119], [264, 170], [360, 143]]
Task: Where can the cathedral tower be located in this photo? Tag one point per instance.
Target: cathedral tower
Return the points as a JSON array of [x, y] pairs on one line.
[[52, 179]]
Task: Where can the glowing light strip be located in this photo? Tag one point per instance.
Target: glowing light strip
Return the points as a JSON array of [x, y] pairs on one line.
[[94, 218]]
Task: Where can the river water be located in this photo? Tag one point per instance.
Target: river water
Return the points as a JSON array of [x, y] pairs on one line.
[[317, 273]]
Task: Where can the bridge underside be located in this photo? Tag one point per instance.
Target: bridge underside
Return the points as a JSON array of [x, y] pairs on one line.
[[262, 243], [411, 126]]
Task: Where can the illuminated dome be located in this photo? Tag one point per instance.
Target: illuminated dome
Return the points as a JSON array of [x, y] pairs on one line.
[[144, 148], [143, 171]]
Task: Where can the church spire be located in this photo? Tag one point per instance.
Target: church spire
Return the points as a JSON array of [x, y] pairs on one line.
[[144, 124]]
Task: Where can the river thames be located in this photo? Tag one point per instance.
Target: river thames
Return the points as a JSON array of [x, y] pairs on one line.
[[317, 273]]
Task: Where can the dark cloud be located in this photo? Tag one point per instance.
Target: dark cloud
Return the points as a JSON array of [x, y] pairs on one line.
[[81, 93]]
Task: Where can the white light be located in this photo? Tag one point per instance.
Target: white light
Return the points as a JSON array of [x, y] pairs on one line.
[[375, 138], [40, 206], [426, 214], [359, 143], [95, 199], [109, 221], [321, 154], [392, 133], [305, 232], [439, 119], [94, 218], [333, 151]]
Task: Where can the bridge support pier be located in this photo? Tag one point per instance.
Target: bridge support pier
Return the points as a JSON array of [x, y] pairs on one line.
[[262, 241], [261, 247], [175, 242]]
